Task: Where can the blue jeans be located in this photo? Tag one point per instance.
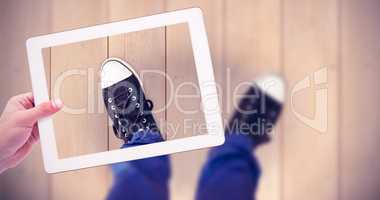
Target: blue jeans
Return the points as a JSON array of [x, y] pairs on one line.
[[230, 172]]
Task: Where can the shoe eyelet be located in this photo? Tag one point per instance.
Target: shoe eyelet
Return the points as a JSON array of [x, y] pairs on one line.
[[130, 89], [137, 105], [113, 107], [144, 121], [109, 100], [117, 116], [119, 122], [133, 98]]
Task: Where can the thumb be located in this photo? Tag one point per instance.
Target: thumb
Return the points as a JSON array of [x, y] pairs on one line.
[[40, 111]]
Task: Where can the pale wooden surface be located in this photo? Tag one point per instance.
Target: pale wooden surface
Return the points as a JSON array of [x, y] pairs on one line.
[[187, 166], [310, 44], [247, 38], [87, 133], [145, 50], [16, 26], [360, 96], [252, 49]]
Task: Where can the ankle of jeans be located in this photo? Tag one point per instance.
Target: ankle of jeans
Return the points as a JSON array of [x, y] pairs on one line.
[[144, 137]]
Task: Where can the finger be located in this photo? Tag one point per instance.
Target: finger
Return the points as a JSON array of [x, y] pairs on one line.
[[35, 136], [43, 110], [29, 100], [26, 100], [3, 168], [19, 102], [19, 155]]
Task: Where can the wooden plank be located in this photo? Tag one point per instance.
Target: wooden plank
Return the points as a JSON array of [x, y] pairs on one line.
[[87, 132], [145, 50], [116, 48], [181, 69], [252, 49], [310, 122], [14, 32], [184, 109], [360, 140]]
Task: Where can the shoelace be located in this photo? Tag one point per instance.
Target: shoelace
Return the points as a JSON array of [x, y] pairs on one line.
[[141, 118], [126, 105]]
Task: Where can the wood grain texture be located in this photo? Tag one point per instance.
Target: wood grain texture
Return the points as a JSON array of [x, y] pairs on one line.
[[310, 54], [84, 132], [145, 51], [181, 69], [360, 139], [20, 20], [252, 50], [116, 48], [247, 38]]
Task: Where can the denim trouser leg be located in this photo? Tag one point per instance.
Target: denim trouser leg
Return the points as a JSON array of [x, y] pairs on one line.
[[141, 179], [231, 171]]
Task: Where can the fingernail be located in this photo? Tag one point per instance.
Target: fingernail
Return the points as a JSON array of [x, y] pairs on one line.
[[57, 103]]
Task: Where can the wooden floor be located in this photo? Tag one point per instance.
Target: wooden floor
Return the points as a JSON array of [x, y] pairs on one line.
[[327, 50]]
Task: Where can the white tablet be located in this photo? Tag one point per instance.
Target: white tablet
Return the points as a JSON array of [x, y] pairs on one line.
[[209, 99]]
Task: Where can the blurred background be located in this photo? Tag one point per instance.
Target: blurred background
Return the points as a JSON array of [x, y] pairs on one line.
[[326, 144]]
